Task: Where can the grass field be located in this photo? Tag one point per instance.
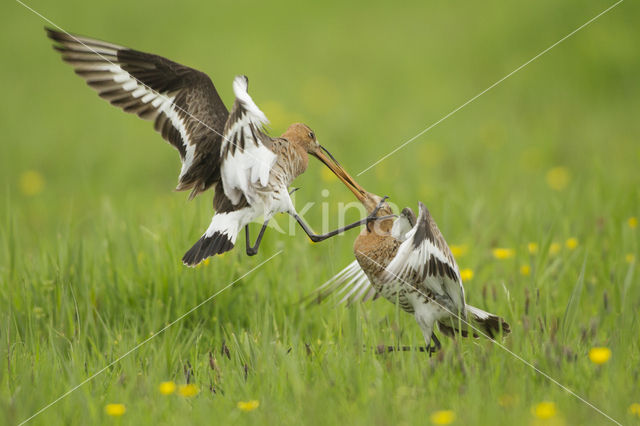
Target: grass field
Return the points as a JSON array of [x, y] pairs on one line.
[[545, 165]]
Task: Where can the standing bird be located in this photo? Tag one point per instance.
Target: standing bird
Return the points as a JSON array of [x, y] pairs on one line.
[[249, 171], [408, 261]]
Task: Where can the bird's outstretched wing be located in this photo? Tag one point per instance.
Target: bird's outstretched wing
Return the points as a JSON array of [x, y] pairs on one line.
[[184, 103], [351, 285], [246, 155], [425, 259]]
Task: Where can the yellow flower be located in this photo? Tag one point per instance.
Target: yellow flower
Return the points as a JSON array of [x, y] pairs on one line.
[[188, 390], [115, 410], [206, 261], [533, 248], [503, 253], [460, 250], [554, 248], [633, 222], [571, 243], [630, 258], [167, 388], [558, 178], [525, 270], [443, 417], [544, 410], [599, 355], [248, 405], [466, 274], [635, 409], [31, 182]]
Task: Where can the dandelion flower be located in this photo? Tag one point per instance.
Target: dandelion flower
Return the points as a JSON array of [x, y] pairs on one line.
[[466, 274], [459, 250], [554, 248], [115, 410], [632, 222], [443, 417], [571, 243], [188, 390], [558, 178], [503, 253], [635, 409], [599, 355], [31, 183], [544, 410], [630, 258], [525, 270], [248, 405], [533, 248], [167, 388]]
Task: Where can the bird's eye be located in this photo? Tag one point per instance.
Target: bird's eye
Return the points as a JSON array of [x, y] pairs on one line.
[[312, 136]]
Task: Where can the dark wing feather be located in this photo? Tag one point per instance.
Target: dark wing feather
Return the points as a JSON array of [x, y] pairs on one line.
[[425, 260], [184, 103]]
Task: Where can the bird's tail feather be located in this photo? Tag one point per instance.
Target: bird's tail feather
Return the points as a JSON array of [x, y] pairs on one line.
[[219, 238], [484, 323]]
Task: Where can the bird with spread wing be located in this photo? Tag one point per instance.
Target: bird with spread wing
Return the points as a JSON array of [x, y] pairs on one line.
[[408, 262], [249, 171]]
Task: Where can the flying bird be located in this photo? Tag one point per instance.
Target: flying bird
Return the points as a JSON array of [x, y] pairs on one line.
[[408, 262], [249, 171]]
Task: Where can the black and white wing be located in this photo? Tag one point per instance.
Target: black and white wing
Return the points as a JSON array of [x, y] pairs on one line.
[[425, 259], [246, 155], [184, 103], [351, 285]]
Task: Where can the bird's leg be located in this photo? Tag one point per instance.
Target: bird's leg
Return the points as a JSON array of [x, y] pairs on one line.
[[436, 344], [252, 251], [321, 237]]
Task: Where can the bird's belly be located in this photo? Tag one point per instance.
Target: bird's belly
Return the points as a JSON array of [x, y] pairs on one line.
[[395, 292]]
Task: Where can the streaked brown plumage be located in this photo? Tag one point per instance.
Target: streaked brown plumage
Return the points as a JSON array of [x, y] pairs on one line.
[[408, 262]]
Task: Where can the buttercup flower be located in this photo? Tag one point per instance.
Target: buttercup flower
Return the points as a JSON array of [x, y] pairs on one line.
[[635, 409], [503, 253], [632, 222], [571, 243], [167, 388], [466, 274], [630, 258], [188, 390], [248, 405], [115, 410], [460, 250], [554, 248], [525, 270], [599, 355], [544, 410], [533, 248], [443, 417]]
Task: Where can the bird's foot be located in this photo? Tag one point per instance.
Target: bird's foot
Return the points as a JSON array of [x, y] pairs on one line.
[[293, 190]]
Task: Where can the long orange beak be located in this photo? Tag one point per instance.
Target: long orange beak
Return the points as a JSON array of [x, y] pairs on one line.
[[325, 156]]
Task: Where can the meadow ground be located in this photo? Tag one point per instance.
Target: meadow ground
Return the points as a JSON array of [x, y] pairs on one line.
[[545, 165]]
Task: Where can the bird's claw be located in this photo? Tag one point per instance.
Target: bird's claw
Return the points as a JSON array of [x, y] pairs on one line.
[[293, 190]]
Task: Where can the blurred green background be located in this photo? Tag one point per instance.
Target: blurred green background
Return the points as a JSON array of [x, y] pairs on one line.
[[92, 233]]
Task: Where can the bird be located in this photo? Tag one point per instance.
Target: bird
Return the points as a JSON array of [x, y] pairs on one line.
[[229, 152], [407, 261]]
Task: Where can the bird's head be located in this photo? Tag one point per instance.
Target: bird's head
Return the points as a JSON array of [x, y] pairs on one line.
[[301, 135]]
